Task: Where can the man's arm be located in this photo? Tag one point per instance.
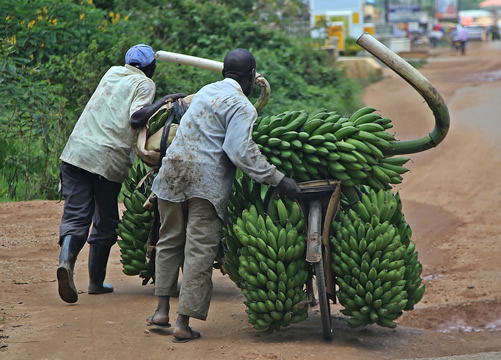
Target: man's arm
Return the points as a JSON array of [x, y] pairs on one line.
[[244, 153], [140, 117]]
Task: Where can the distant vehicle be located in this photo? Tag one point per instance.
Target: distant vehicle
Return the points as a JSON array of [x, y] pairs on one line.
[[435, 37], [475, 33]]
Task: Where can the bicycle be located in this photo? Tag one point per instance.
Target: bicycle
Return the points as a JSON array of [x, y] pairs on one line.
[[321, 203]]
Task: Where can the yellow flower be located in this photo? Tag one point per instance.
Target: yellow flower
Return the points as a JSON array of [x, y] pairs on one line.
[[31, 24], [126, 18], [43, 44], [54, 21], [111, 14], [7, 17], [39, 11], [22, 22], [82, 15], [89, 2], [40, 18], [115, 19], [32, 57], [13, 40], [45, 9]]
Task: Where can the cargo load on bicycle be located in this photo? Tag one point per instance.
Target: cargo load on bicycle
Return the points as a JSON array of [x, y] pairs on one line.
[[359, 253]]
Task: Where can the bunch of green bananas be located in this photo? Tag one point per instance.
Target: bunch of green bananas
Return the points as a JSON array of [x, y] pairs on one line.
[[135, 225], [375, 262], [158, 121], [271, 266], [322, 144], [245, 191]]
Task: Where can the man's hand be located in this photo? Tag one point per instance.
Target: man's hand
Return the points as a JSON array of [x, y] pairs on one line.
[[289, 187], [172, 97]]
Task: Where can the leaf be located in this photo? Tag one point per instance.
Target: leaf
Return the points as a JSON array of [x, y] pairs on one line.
[[20, 282]]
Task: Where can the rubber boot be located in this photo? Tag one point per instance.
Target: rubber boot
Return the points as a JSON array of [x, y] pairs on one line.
[[98, 260], [70, 247]]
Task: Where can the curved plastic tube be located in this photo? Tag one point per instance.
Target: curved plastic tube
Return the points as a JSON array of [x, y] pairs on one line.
[[215, 66], [422, 86]]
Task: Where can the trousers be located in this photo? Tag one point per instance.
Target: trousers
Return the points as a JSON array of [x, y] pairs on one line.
[[189, 237], [90, 199]]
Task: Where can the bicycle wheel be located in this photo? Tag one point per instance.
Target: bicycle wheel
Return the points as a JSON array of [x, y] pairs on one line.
[[325, 310]]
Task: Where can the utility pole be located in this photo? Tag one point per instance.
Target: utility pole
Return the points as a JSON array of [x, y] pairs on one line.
[[387, 11]]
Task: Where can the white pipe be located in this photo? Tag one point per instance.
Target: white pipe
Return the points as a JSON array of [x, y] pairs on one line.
[[215, 66], [212, 65]]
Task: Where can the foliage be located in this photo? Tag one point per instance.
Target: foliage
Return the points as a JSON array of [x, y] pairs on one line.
[[44, 44], [272, 12], [54, 53]]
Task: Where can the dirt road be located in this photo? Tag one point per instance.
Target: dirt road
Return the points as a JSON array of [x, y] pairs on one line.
[[451, 199]]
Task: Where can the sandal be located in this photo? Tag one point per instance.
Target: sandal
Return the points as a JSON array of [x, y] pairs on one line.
[[150, 322], [194, 335]]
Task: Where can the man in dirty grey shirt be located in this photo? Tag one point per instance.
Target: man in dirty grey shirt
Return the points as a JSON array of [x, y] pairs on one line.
[[194, 184]]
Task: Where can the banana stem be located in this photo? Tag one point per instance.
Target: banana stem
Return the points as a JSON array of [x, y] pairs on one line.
[[422, 86], [265, 95], [216, 66]]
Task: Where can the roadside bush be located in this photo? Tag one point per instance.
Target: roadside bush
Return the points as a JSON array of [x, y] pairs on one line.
[[351, 48], [48, 71]]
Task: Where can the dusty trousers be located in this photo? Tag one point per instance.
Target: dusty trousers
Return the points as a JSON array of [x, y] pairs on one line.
[[189, 238], [89, 200]]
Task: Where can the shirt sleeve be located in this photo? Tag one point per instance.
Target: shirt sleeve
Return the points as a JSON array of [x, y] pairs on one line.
[[144, 96], [243, 151]]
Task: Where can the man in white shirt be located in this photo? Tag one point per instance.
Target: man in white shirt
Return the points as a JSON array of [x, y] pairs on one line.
[[95, 162], [193, 186]]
